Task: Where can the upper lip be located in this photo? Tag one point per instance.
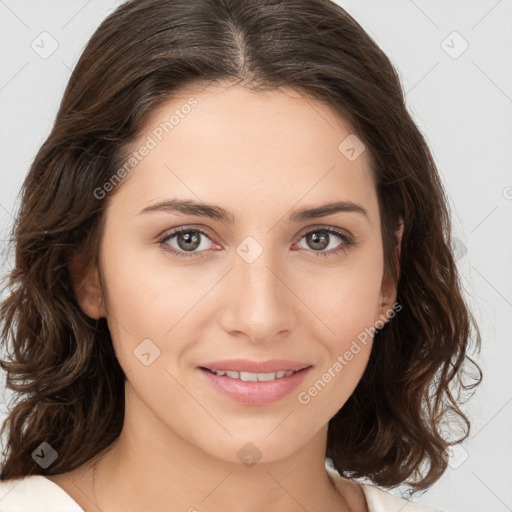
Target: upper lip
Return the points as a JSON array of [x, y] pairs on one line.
[[246, 365]]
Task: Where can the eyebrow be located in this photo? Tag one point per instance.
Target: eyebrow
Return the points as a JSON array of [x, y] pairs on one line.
[[188, 207]]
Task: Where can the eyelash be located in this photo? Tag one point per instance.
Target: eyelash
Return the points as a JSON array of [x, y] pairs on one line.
[[348, 241]]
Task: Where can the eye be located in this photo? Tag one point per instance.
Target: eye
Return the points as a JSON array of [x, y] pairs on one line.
[[321, 237], [189, 239]]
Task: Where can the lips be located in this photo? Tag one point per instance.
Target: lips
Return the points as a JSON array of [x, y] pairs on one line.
[[245, 390], [246, 365]]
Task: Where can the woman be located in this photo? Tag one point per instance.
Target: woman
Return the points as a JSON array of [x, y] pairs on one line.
[[233, 283]]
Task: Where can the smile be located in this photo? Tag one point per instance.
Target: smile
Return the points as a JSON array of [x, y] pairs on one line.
[[254, 389], [253, 377]]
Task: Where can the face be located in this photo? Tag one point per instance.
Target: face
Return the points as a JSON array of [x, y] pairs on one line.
[[259, 282]]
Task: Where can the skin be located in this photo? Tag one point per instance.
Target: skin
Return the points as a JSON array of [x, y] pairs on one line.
[[259, 155]]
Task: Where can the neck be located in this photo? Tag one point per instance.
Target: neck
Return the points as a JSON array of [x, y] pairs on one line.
[[151, 467], [279, 486]]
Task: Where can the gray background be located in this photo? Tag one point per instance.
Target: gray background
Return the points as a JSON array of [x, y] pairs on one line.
[[462, 102]]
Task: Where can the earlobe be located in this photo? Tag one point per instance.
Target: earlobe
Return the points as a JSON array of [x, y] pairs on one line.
[[88, 290]]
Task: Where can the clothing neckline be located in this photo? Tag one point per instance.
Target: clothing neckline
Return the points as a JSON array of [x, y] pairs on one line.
[[376, 499], [337, 480], [63, 492], [333, 475]]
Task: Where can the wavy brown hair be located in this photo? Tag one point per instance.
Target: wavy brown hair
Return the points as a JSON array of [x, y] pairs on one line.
[[68, 384]]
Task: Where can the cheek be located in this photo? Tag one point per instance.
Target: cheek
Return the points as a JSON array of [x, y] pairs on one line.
[[151, 298], [142, 285], [344, 307], [345, 299], [346, 336], [345, 328]]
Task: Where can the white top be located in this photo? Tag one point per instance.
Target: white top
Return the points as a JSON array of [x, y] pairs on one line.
[[377, 499], [36, 493]]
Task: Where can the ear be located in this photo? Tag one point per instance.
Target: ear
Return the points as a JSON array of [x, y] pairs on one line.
[[87, 287], [388, 291]]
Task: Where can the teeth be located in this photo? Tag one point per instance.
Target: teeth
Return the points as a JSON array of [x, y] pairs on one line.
[[253, 377]]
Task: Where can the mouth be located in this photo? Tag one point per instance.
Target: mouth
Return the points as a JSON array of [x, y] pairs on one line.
[[254, 389], [251, 376]]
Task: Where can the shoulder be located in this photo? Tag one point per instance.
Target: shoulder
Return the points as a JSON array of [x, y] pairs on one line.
[[380, 500], [377, 499], [34, 493]]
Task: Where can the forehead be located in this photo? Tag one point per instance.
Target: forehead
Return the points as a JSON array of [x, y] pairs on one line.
[[236, 146]]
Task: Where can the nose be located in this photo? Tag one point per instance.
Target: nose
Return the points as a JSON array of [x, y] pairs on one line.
[[261, 304]]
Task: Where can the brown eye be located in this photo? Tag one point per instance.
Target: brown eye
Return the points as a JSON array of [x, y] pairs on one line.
[[187, 241], [319, 239]]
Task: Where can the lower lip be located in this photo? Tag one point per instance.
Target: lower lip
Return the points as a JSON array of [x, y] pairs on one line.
[[256, 393]]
